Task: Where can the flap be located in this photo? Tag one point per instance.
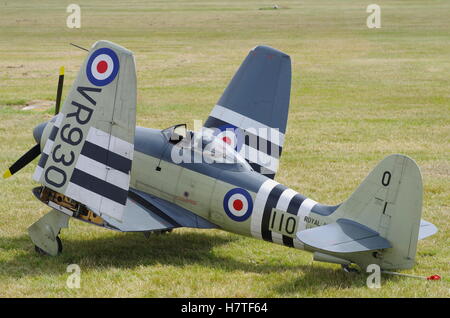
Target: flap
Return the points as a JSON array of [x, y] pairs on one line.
[[344, 236], [144, 212]]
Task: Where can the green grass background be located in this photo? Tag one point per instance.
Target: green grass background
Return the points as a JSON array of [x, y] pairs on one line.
[[358, 94]]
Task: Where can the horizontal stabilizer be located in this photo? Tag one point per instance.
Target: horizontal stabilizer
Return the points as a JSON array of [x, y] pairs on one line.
[[344, 236], [426, 229]]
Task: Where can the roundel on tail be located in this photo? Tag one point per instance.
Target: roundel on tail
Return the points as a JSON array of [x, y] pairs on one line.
[[102, 67], [231, 135], [238, 204]]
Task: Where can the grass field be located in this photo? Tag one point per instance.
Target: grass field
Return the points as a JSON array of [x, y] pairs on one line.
[[358, 94]]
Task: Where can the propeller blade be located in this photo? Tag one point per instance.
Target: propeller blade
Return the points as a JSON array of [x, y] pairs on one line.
[[60, 89], [23, 161]]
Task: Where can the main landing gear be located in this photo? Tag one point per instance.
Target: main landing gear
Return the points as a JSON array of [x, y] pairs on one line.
[[44, 233]]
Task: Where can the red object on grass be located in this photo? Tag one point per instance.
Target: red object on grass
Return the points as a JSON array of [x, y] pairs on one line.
[[434, 277]]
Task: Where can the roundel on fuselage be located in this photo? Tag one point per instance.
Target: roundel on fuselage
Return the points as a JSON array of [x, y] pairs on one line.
[[238, 204], [102, 67]]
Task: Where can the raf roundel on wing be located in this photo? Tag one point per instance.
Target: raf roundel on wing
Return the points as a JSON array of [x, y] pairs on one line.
[[238, 204], [102, 67]]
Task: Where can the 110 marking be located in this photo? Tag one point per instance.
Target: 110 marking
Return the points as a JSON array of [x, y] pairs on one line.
[[283, 222]]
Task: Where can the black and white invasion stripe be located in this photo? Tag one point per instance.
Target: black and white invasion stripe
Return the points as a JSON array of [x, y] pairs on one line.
[[48, 147], [275, 195], [102, 173], [262, 144]]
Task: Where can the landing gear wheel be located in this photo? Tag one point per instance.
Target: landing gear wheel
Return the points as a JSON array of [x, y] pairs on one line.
[[60, 246], [40, 251]]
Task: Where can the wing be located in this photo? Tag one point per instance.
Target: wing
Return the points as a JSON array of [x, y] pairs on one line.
[[344, 236], [144, 212], [89, 152], [252, 113]]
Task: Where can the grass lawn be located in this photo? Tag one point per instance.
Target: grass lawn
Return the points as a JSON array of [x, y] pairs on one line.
[[358, 94]]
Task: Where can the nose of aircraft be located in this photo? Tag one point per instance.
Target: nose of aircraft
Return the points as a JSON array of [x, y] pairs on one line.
[[38, 130]]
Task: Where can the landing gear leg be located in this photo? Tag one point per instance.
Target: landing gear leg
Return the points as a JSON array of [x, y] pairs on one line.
[[44, 233]]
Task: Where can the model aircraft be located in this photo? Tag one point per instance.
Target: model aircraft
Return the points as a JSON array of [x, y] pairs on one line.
[[96, 166]]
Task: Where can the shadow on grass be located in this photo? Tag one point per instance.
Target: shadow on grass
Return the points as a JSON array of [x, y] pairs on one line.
[[129, 250], [316, 279]]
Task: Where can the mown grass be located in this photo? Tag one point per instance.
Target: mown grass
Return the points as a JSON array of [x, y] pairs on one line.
[[357, 96]]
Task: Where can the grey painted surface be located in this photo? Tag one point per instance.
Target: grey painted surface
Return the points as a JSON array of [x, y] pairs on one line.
[[152, 143], [182, 216], [324, 210], [261, 87], [138, 219], [426, 229], [343, 236]]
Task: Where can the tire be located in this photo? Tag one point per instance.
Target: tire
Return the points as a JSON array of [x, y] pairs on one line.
[[39, 250], [60, 246]]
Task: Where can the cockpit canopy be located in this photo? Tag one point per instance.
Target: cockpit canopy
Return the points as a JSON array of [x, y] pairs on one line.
[[204, 147]]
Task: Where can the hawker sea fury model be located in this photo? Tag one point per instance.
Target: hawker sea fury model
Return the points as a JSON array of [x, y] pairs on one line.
[[95, 165]]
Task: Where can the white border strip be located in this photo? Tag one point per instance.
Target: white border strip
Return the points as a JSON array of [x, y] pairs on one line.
[[37, 173], [48, 146], [58, 121], [258, 207], [103, 172], [303, 211], [94, 201], [259, 157], [246, 123], [110, 142]]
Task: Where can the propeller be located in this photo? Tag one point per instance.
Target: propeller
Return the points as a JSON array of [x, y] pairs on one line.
[[59, 90], [31, 154], [23, 161]]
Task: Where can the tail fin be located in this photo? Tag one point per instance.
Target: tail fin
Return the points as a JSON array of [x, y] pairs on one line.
[[253, 110], [389, 201]]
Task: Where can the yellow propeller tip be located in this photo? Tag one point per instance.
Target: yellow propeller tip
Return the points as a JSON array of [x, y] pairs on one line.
[[61, 70], [7, 174]]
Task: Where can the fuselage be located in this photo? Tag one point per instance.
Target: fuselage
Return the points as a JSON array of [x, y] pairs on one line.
[[218, 192]]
